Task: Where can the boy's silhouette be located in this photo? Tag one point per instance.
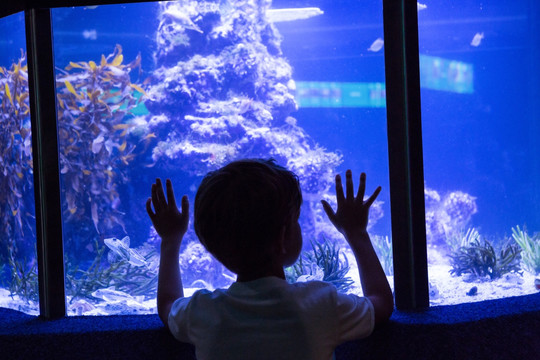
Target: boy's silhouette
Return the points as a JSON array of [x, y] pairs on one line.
[[246, 215]]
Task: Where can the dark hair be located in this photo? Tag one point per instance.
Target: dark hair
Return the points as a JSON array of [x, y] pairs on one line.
[[241, 208]]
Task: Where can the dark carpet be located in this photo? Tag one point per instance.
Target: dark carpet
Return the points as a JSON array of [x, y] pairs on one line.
[[497, 329]]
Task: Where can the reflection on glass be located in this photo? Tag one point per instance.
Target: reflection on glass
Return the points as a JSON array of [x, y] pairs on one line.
[[477, 62], [176, 89], [18, 265]]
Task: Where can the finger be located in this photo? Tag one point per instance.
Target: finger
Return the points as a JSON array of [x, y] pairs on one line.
[[339, 190], [361, 188], [170, 194], [349, 185], [159, 193], [373, 196], [185, 206], [155, 200], [151, 214], [329, 211]]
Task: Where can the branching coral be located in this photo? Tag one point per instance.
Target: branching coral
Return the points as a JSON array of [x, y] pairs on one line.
[[94, 102], [480, 259], [530, 249], [322, 263]]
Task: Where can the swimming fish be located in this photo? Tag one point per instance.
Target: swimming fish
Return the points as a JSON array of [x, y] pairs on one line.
[[181, 18], [477, 39], [377, 45], [281, 15], [420, 6], [122, 249]]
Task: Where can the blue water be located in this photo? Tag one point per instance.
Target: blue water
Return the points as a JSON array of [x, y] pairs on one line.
[[480, 121]]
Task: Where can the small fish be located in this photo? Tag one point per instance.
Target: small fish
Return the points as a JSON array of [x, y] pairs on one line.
[[377, 45], [122, 249], [281, 15], [420, 6], [477, 39], [182, 19], [90, 34]]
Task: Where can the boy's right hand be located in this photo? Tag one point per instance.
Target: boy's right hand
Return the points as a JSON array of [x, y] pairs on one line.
[[351, 217], [170, 224]]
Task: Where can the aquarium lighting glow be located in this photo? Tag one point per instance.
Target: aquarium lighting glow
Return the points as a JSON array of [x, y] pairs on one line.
[[336, 94], [445, 74], [436, 74]]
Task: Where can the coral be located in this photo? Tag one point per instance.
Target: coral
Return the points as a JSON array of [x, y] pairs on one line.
[[530, 249], [223, 91], [480, 260], [324, 257], [383, 248], [458, 239], [447, 215], [198, 265]]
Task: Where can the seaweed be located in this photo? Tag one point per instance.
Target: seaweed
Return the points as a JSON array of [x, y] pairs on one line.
[[16, 176], [383, 249], [326, 257], [480, 259], [458, 239], [134, 280], [530, 249], [24, 279], [95, 101]]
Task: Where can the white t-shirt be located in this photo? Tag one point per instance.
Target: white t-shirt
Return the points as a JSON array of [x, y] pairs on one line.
[[269, 318]]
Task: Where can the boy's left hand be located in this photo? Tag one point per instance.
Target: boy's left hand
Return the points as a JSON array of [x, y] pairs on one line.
[[167, 220]]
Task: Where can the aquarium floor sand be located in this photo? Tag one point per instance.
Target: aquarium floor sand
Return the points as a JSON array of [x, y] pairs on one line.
[[495, 329]]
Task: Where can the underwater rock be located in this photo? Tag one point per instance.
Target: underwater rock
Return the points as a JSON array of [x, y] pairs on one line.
[[223, 91], [473, 291], [447, 215]]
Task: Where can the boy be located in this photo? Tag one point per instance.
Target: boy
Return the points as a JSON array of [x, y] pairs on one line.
[[246, 215]]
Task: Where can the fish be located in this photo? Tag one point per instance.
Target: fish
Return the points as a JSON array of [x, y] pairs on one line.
[[376, 45], [182, 19], [281, 15], [122, 249], [477, 39], [420, 6]]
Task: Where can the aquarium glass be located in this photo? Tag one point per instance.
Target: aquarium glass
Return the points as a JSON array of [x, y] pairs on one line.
[[18, 265], [481, 122], [176, 89]]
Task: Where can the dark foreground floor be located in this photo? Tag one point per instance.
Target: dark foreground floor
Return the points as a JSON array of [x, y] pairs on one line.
[[496, 329]]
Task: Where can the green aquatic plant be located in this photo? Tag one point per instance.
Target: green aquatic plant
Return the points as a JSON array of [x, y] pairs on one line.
[[133, 280], [322, 263], [480, 259], [383, 249], [460, 239], [16, 176], [95, 101], [530, 249], [23, 279]]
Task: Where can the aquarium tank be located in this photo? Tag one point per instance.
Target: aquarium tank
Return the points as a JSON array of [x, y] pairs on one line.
[[18, 265], [176, 89]]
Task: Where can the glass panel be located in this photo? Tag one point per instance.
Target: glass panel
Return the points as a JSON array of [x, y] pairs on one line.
[[176, 89], [480, 114], [18, 264]]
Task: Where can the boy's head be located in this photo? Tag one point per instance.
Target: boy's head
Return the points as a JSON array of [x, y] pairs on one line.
[[247, 212]]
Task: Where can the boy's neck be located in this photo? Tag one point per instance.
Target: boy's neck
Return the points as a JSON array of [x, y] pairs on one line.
[[254, 275]]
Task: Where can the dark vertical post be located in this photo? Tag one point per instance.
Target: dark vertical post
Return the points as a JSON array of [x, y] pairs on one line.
[[405, 153], [42, 85]]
